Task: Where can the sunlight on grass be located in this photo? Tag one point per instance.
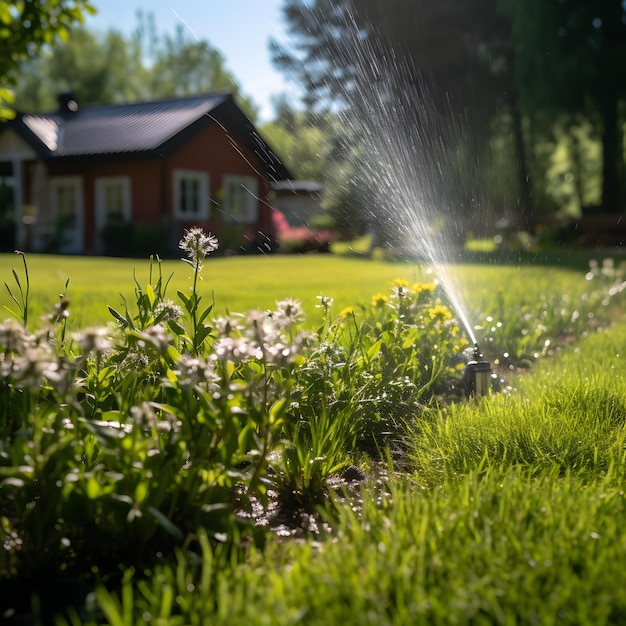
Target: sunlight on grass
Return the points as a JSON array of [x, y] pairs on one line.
[[323, 471]]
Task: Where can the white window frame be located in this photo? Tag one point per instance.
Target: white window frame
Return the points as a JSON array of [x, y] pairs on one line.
[[101, 209], [202, 211], [246, 191]]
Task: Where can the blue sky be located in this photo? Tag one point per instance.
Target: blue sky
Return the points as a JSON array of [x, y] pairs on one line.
[[240, 29]]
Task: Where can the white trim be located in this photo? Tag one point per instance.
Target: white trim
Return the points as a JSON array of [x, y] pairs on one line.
[[101, 185], [76, 233], [241, 199], [200, 178]]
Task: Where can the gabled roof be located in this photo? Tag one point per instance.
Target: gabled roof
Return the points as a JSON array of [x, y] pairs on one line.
[[297, 186], [142, 128]]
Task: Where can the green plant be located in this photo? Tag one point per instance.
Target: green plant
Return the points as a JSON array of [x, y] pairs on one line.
[[24, 293]]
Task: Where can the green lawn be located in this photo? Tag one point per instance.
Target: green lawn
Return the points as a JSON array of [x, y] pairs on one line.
[[238, 283], [511, 513], [244, 283], [135, 461]]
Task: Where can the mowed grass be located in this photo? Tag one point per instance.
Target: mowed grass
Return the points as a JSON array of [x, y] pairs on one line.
[[240, 284], [506, 509], [237, 284], [511, 513]]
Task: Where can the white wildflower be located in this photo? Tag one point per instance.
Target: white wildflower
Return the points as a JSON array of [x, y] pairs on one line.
[[325, 304], [96, 340], [13, 337], [167, 310], [146, 418], [194, 370], [157, 336], [288, 313], [229, 324], [197, 244], [30, 366], [238, 349]]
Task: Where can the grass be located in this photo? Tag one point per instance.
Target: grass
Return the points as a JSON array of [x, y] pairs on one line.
[[528, 532], [148, 452], [239, 283], [244, 283], [569, 415]]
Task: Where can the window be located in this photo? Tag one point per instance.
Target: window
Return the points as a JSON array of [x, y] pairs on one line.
[[67, 212], [66, 203], [113, 204], [191, 195], [241, 202]]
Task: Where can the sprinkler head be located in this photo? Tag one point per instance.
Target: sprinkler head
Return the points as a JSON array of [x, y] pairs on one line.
[[477, 375]]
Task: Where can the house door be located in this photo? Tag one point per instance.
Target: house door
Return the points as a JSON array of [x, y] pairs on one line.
[[67, 229]]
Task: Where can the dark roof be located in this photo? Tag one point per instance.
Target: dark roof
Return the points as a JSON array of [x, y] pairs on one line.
[[148, 128], [298, 186]]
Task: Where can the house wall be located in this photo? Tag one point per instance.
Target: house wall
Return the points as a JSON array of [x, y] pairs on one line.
[[212, 150], [152, 200]]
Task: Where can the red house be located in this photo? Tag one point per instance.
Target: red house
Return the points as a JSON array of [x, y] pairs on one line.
[[114, 179]]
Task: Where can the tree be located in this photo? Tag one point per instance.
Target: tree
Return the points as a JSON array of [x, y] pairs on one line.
[[104, 68], [98, 68], [182, 66], [314, 147], [408, 78], [566, 55], [25, 27]]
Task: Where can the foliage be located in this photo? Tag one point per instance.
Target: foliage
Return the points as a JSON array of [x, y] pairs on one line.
[[152, 455], [137, 434], [27, 26], [520, 521], [563, 57], [518, 75], [99, 68], [499, 548], [104, 68], [545, 318]]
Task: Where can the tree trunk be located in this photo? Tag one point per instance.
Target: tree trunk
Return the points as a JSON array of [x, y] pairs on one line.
[[525, 207], [612, 153]]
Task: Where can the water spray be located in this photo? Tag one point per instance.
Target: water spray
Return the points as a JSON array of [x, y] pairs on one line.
[[477, 375]]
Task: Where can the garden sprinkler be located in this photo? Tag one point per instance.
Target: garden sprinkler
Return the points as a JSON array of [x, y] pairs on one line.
[[477, 375]]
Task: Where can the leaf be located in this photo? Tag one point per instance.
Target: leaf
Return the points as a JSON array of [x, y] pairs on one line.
[[175, 327], [201, 335], [184, 299], [166, 524], [5, 14], [118, 316], [277, 411], [11, 311], [150, 294], [141, 491], [92, 488], [375, 349], [17, 280], [111, 416], [204, 314]]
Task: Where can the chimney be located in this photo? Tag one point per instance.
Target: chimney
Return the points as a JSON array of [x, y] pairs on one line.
[[67, 102]]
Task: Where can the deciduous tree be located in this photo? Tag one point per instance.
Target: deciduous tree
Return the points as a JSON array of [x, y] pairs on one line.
[[25, 27]]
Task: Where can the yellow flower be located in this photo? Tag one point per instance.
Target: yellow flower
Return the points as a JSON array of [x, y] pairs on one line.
[[439, 312], [379, 300], [423, 287], [401, 282], [347, 312]]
